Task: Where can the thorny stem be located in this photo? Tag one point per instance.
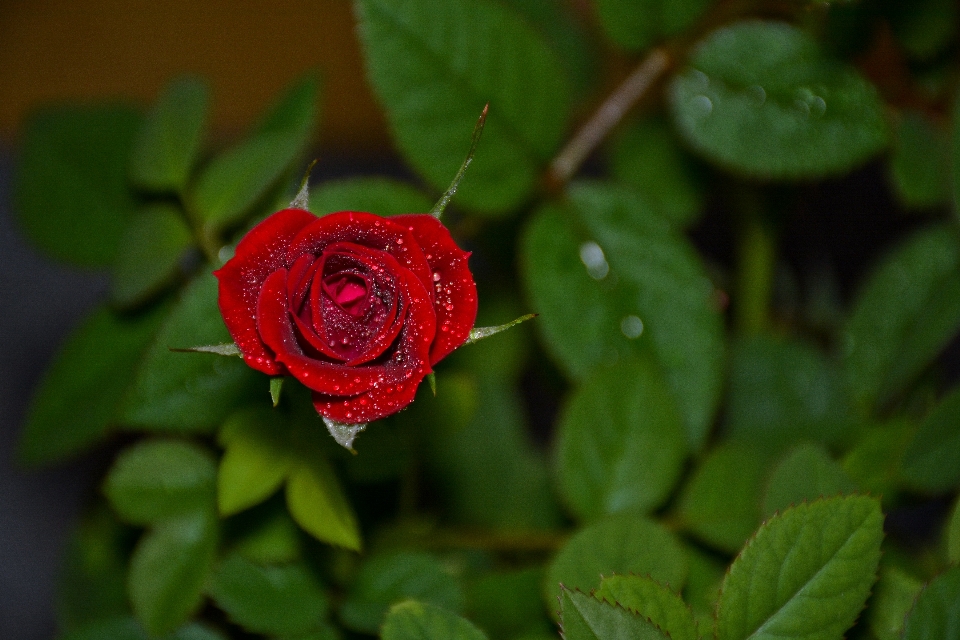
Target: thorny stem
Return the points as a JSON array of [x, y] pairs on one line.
[[610, 113]]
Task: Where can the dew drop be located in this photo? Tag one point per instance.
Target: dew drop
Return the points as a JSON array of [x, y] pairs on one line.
[[591, 255], [702, 106], [436, 276], [632, 327]]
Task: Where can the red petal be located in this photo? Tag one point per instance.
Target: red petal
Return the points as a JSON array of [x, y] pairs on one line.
[[261, 252], [455, 292], [373, 405]]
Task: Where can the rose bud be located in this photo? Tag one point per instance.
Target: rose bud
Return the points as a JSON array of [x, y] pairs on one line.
[[355, 306]]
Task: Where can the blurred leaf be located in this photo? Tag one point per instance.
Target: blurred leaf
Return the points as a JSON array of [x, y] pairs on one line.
[[423, 621], [953, 535], [276, 600], [818, 562], [919, 166], [507, 604], [707, 571], [169, 568], [71, 190], [383, 453], [611, 278], [620, 444], [936, 613], [586, 618], [77, 400], [505, 356], [386, 579], [721, 502], [931, 462], [923, 28], [156, 480], [449, 73], [169, 139], [383, 196], [622, 543], [874, 462], [892, 599], [127, 628], [905, 314], [185, 392], [783, 392], [151, 249], [805, 474], [635, 25], [647, 598], [267, 535], [257, 458], [648, 157], [236, 180], [761, 98], [318, 504]]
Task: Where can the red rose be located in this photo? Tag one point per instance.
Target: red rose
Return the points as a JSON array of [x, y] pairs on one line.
[[355, 306]]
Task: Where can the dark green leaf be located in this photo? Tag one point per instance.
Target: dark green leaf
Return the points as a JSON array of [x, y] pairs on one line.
[[936, 613], [318, 504], [159, 479], [586, 618], [433, 100], [637, 24], [188, 391], [874, 462], [508, 604], [932, 460], [623, 543], [920, 164], [150, 254], [168, 142], [384, 580], [761, 99], [905, 314], [620, 444], [806, 473], [818, 562], [78, 397], [423, 621], [383, 196], [71, 191], [267, 535], [892, 599], [383, 453], [703, 585], [257, 459], [278, 600], [127, 628], [645, 597], [924, 28], [169, 568], [611, 278]]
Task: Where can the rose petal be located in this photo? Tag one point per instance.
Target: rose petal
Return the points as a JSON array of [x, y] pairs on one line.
[[373, 405], [455, 291], [261, 252]]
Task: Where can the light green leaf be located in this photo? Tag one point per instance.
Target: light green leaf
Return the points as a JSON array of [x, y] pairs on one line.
[[610, 278], [804, 474], [151, 250], [273, 600], [620, 444], [423, 621], [169, 139], [892, 599], [761, 99], [383, 196], [318, 504], [586, 618], [906, 312], [71, 192], [931, 462], [77, 400], [257, 459], [168, 570], [953, 534], [432, 100], [637, 24], [936, 613], [645, 597], [920, 164], [818, 562]]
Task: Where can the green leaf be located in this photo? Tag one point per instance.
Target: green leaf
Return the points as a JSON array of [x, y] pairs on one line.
[[127, 628], [150, 254], [169, 568], [225, 349], [645, 597], [953, 535], [423, 621], [761, 98], [508, 603], [919, 166], [449, 73], [183, 392], [257, 459], [806, 473], [931, 462], [936, 613], [318, 504], [621, 444], [721, 502], [77, 400], [611, 278], [71, 191], [622, 543], [703, 585], [586, 618], [818, 562], [874, 462], [159, 479], [923, 28], [892, 599], [383, 196], [228, 188], [276, 600], [267, 535], [386, 579], [637, 24], [905, 314], [169, 139]]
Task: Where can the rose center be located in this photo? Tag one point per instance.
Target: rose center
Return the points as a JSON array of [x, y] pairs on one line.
[[348, 291]]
